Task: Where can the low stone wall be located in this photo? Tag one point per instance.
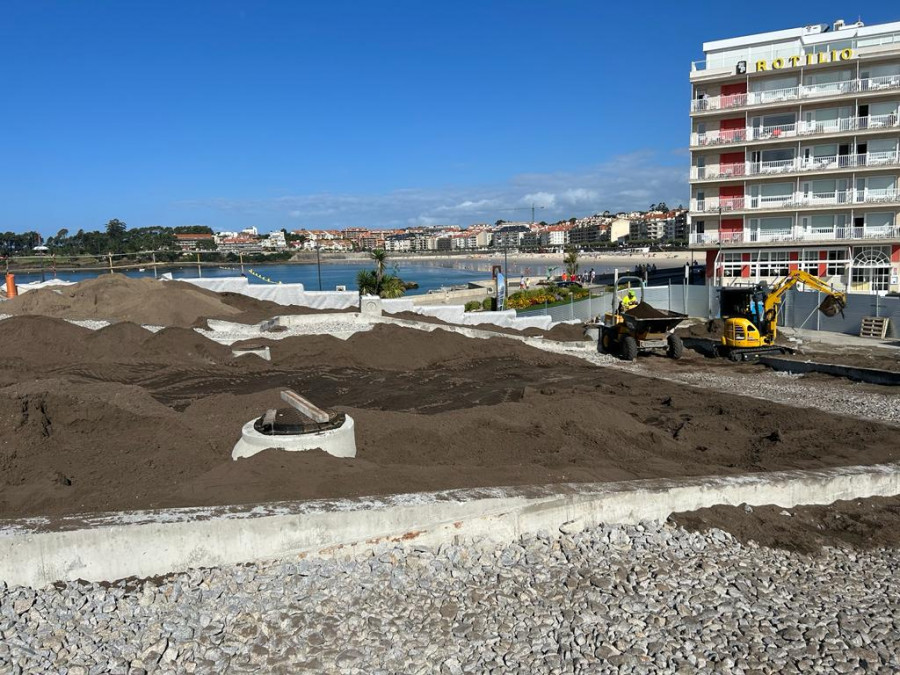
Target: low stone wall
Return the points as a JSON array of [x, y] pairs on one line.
[[143, 544]]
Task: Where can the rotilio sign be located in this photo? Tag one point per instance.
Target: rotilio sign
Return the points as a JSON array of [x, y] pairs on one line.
[[808, 60]]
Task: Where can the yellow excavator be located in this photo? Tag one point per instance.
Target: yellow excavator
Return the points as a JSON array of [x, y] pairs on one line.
[[751, 314]]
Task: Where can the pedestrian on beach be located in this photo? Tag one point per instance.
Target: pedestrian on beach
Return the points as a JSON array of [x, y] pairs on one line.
[[522, 284], [591, 277]]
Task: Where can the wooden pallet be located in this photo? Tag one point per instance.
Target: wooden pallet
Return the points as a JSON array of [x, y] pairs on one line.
[[874, 327]]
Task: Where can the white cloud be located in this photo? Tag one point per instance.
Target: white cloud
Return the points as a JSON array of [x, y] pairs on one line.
[[627, 182]]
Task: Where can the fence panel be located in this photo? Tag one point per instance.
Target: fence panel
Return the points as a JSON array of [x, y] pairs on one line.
[[800, 311]]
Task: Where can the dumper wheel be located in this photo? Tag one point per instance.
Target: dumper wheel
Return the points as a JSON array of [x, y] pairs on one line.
[[676, 347], [629, 348], [605, 342]]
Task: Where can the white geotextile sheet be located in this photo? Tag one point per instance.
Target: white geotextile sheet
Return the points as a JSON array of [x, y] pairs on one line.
[[456, 314], [50, 283], [282, 294]]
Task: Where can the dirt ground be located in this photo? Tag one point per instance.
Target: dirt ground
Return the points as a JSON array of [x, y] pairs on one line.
[[862, 523], [122, 418]]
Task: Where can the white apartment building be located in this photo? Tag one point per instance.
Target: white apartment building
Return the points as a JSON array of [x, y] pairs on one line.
[[795, 155], [555, 235]]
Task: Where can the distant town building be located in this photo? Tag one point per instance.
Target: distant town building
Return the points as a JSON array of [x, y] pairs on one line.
[[195, 242]]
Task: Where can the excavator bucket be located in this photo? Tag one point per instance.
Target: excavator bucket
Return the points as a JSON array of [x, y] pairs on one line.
[[832, 305]]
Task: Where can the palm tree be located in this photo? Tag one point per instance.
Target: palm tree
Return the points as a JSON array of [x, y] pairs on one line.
[[379, 255], [366, 282], [376, 282], [571, 260], [392, 287]]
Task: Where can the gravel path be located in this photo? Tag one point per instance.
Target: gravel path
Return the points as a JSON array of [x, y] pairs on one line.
[[638, 599], [831, 395]]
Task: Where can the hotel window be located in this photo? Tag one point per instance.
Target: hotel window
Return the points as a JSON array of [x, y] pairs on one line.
[[774, 83], [828, 47], [872, 267], [827, 77], [770, 263], [731, 264], [770, 194], [837, 261], [882, 151], [809, 261], [766, 226], [879, 223]]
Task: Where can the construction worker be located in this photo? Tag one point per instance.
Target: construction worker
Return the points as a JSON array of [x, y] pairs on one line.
[[629, 300]]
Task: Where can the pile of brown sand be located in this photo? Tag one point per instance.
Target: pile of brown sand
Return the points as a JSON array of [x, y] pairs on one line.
[[391, 347], [642, 310], [862, 523], [252, 311], [39, 340], [561, 332], [116, 297], [709, 330]]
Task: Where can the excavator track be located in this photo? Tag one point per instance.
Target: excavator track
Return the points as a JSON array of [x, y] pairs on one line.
[[752, 353]]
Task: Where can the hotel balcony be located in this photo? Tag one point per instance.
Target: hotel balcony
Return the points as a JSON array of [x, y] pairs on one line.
[[798, 165], [872, 85], [795, 234], [800, 129], [795, 201]]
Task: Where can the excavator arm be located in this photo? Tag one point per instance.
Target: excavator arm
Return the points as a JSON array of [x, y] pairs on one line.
[[834, 302]]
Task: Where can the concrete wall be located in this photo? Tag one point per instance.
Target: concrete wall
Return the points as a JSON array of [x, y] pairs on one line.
[[283, 294], [142, 544]]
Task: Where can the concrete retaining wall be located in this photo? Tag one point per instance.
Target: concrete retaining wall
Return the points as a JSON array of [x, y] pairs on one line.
[[283, 294], [152, 543]]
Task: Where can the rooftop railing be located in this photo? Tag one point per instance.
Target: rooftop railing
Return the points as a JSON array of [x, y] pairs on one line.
[[802, 92]]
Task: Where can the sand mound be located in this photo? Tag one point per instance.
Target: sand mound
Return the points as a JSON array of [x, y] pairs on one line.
[[118, 340], [116, 297], [710, 330], [390, 347], [862, 523], [180, 344], [72, 439], [642, 310], [39, 339]]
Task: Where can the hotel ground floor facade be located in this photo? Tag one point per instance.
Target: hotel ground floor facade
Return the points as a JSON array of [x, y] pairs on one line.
[[859, 267], [853, 250]]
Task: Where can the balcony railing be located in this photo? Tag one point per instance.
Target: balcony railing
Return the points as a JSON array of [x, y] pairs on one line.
[[758, 236], [802, 92], [796, 200], [796, 165], [802, 128]]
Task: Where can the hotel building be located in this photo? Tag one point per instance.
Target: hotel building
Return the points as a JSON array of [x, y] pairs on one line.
[[795, 156]]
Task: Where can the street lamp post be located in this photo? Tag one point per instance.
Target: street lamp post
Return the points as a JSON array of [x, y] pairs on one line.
[[319, 266]]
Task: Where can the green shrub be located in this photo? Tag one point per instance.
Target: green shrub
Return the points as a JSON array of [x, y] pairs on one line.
[[486, 304], [473, 305]]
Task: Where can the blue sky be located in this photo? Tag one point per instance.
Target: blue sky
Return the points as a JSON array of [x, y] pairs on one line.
[[383, 114]]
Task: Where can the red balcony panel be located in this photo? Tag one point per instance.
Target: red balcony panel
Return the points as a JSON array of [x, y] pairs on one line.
[[710, 263]]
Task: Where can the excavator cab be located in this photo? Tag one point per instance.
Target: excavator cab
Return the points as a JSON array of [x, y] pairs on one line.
[[741, 307]]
